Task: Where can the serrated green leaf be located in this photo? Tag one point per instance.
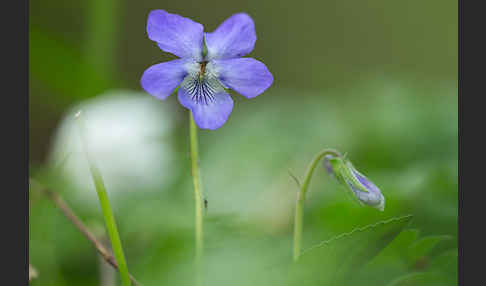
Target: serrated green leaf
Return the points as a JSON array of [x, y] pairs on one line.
[[339, 257], [403, 241], [398, 247], [391, 261]]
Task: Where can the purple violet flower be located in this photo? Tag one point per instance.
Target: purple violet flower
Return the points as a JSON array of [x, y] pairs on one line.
[[203, 77]]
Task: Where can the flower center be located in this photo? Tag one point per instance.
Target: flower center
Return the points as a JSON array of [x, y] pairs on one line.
[[202, 68], [201, 83]]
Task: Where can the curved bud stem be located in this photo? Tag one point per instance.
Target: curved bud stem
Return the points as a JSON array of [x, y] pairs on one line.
[[299, 207]]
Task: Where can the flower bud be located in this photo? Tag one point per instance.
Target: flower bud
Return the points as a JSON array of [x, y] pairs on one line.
[[361, 187]]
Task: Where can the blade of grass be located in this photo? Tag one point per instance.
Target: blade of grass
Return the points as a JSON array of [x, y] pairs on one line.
[[106, 208]]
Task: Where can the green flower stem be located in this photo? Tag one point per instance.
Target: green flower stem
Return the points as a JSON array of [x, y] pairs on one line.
[[197, 197], [106, 208], [299, 207]]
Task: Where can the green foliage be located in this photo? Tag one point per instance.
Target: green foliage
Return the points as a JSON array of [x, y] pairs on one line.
[[409, 259], [342, 257], [421, 249]]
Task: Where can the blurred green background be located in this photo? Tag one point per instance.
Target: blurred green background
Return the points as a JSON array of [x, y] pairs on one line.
[[374, 79]]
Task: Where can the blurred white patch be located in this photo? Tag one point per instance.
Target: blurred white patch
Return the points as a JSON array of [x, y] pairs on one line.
[[129, 137]]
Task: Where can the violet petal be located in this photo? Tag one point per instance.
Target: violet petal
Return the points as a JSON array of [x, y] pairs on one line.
[[211, 114], [160, 80], [175, 34], [246, 76], [365, 182], [235, 37]]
